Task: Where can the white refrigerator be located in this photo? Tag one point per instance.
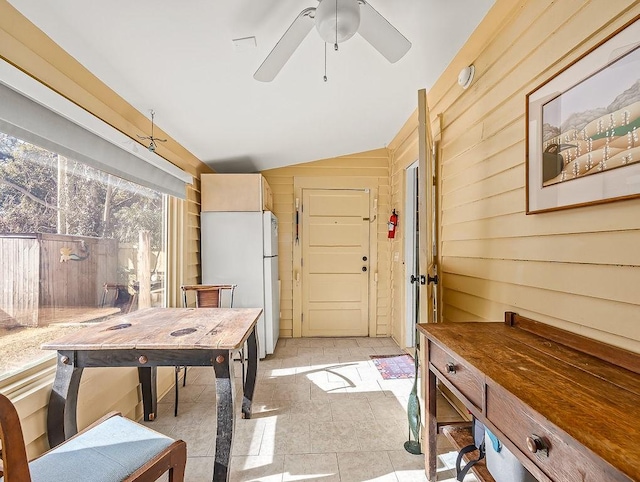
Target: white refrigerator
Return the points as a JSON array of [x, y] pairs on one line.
[[242, 248]]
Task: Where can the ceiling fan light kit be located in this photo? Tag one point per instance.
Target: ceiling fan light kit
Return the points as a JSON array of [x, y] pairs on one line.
[[336, 21]]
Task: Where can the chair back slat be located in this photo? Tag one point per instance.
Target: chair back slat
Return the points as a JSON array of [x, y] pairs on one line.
[[209, 296], [14, 454]]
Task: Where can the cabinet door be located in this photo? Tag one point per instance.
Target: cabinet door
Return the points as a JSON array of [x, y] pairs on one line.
[[231, 192]]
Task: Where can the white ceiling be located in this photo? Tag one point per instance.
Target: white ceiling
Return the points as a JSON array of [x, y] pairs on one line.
[[178, 58]]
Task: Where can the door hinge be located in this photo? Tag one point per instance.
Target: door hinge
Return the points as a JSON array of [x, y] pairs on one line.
[[302, 318], [424, 279]]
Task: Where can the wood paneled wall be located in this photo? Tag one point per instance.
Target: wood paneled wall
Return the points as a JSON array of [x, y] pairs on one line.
[[183, 232], [403, 151], [577, 269], [191, 232], [367, 164]]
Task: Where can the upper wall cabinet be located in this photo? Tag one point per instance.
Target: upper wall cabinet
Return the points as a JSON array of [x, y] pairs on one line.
[[235, 192]]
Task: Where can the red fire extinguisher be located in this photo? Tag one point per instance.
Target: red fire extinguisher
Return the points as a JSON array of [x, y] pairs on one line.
[[393, 222]]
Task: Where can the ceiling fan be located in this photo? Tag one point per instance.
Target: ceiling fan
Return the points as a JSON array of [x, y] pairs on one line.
[[336, 21]]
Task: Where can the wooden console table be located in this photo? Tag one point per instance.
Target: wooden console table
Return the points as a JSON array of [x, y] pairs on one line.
[[567, 406], [155, 337]]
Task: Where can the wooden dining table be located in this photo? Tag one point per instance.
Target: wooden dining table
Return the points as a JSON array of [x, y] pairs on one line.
[[155, 337]]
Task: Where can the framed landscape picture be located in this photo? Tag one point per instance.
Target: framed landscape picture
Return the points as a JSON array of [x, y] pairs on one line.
[[583, 128]]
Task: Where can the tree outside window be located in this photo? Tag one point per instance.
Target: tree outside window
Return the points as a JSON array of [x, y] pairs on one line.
[[89, 228]]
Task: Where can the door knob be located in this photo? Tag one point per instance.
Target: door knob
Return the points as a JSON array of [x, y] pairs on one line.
[[364, 258], [364, 268]]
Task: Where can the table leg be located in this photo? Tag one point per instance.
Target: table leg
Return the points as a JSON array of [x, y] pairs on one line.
[[430, 451], [147, 377], [63, 401], [223, 367], [252, 372]]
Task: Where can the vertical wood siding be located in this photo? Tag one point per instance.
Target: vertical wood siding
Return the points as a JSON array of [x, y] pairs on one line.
[[32, 275], [578, 269], [19, 281], [75, 283], [369, 164]]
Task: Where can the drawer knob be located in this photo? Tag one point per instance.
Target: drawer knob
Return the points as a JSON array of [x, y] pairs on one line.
[[535, 444], [451, 368]]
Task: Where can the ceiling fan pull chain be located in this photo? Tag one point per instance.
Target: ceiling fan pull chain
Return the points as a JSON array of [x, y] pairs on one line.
[[325, 61], [335, 45]]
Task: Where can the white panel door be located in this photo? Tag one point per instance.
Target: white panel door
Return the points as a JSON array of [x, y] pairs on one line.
[[335, 262]]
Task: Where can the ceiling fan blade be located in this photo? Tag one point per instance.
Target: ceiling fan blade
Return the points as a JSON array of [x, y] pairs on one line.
[[285, 47], [383, 36]]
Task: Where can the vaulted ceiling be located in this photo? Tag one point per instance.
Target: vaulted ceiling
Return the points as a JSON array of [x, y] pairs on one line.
[[179, 59]]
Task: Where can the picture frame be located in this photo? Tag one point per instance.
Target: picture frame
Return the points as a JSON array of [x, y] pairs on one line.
[[583, 128]]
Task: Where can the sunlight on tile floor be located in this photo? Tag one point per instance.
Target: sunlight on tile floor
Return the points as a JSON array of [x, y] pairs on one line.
[[321, 412]]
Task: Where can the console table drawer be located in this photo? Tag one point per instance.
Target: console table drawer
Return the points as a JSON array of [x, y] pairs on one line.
[[457, 373], [557, 454]]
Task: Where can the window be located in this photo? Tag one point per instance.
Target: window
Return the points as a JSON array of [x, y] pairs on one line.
[[76, 245]]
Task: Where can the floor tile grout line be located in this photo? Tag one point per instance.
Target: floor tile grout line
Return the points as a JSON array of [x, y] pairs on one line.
[[384, 406]]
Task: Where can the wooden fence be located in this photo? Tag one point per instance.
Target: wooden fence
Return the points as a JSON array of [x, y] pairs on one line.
[[43, 271]]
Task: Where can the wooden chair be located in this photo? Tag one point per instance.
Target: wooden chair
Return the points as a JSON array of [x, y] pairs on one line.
[[206, 296], [118, 296], [112, 449]]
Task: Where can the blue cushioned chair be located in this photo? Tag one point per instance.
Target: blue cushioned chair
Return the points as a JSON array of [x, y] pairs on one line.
[[113, 449]]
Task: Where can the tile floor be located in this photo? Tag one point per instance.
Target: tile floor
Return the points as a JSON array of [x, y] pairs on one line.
[[321, 412]]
